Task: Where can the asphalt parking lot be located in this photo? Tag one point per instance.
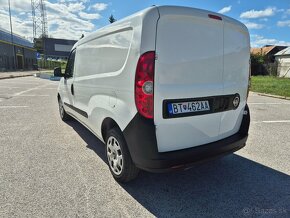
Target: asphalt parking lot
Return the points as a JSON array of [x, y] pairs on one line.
[[49, 168]]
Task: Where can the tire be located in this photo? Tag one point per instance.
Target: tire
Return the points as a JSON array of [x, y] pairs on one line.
[[119, 159], [63, 115]]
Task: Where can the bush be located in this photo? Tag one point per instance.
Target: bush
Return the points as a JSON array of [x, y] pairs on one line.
[[50, 64]]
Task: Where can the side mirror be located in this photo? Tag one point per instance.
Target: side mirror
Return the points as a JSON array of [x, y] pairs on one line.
[[57, 72]]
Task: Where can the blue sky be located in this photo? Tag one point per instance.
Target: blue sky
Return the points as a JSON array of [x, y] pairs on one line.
[[268, 21]]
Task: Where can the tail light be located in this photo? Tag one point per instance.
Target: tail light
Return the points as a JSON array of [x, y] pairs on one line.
[[144, 84]]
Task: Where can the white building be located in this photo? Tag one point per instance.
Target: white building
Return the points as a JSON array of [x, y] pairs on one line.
[[283, 60]]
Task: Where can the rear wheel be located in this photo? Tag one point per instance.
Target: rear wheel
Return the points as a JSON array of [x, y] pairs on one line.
[[119, 159], [63, 115]]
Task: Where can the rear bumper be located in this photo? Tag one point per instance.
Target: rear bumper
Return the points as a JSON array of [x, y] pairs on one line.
[[142, 144]]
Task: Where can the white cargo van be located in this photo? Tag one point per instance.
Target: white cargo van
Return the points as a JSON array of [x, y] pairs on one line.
[[163, 89]]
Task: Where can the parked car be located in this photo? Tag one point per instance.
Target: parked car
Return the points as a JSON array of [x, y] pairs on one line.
[[163, 89]]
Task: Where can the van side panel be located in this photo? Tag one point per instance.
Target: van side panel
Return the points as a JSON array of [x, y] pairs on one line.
[[105, 69], [99, 66]]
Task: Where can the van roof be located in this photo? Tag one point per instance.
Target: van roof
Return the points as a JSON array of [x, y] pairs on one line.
[[141, 14]]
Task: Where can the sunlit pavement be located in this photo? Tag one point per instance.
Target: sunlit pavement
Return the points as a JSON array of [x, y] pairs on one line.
[[49, 168]]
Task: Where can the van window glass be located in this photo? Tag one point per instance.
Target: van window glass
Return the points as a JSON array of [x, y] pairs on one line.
[[70, 64], [103, 55]]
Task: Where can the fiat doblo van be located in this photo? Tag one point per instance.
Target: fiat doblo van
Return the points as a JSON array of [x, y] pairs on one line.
[[163, 89]]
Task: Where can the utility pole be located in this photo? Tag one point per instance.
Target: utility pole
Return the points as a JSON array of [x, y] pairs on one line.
[[39, 18], [11, 33]]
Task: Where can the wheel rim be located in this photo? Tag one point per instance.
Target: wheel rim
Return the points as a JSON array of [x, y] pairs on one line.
[[114, 154], [61, 109]]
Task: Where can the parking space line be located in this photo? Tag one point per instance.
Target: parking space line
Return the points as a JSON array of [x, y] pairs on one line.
[[51, 88], [277, 121], [271, 121], [28, 90], [24, 83], [274, 103], [8, 87], [12, 106], [32, 96]]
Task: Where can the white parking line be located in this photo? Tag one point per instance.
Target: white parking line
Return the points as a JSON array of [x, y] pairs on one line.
[[12, 107], [9, 87], [24, 83], [269, 103], [32, 96], [28, 90], [277, 121], [271, 121]]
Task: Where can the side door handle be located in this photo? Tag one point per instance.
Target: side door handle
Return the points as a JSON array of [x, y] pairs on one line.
[[72, 89]]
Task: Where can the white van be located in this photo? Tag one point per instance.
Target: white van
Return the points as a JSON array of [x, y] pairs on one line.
[[163, 89]]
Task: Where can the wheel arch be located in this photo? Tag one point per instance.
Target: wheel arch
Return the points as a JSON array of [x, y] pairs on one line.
[[107, 124]]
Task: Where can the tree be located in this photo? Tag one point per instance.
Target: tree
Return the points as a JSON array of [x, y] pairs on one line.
[[258, 59], [112, 19], [258, 64]]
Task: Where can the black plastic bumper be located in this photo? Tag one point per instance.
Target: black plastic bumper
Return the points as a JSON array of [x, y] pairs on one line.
[[141, 139]]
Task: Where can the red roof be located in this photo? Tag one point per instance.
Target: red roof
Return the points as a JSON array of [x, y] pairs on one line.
[[263, 50]]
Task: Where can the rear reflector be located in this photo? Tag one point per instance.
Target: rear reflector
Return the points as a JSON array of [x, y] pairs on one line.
[[212, 16]]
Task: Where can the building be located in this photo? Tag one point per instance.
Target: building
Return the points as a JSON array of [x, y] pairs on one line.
[[263, 60], [57, 48], [268, 51], [283, 61], [24, 57]]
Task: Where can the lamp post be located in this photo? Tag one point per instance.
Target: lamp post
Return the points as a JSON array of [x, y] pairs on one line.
[[11, 33]]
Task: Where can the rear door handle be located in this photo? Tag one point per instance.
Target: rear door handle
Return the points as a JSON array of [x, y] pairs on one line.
[[72, 89]]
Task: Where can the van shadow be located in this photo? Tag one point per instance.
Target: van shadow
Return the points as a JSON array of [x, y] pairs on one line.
[[232, 186]]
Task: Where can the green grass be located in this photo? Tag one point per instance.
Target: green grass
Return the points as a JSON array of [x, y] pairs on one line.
[[271, 85]]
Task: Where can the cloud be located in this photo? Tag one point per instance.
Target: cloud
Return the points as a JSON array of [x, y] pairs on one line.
[[100, 6], [258, 41], [66, 19], [89, 16], [283, 23], [225, 9], [68, 24], [22, 27], [74, 7], [268, 12], [16, 5], [65, 1], [252, 25]]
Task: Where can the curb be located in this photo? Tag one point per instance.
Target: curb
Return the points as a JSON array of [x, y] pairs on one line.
[[15, 76], [272, 96]]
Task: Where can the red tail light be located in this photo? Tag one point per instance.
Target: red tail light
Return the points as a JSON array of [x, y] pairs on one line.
[[144, 84]]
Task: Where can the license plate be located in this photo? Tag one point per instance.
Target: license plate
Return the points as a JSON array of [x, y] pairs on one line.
[[188, 107]]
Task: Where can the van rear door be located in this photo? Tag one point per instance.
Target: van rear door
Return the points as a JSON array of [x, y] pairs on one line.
[[189, 65]]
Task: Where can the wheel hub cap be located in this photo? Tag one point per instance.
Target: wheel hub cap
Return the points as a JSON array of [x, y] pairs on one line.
[[114, 154]]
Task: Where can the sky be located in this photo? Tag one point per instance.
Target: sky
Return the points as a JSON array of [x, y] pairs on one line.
[[268, 21]]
